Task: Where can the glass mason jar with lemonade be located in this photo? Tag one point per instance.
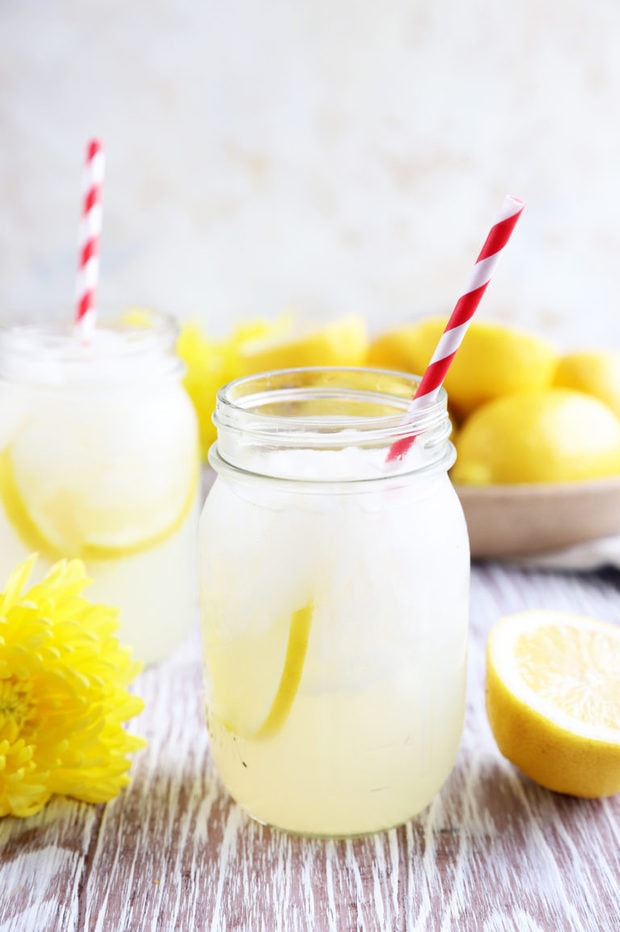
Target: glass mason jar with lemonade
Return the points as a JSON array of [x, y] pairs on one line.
[[99, 460], [335, 598]]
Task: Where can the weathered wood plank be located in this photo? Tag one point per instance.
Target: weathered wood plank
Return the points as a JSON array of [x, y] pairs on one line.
[[43, 865], [493, 851]]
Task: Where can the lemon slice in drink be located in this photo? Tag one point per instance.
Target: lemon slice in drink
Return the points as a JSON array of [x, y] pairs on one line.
[[553, 699], [256, 676], [96, 492]]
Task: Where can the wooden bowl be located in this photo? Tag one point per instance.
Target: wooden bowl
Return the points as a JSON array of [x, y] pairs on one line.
[[519, 520]]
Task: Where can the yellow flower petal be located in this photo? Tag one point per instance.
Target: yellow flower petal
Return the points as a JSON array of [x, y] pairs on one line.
[[22, 790], [63, 693], [16, 583], [210, 364]]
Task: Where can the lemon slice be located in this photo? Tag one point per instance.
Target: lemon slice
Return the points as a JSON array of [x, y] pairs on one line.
[[248, 699], [343, 342], [553, 699], [68, 526], [101, 477]]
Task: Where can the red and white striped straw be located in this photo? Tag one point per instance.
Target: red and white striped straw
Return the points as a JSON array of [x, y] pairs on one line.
[[90, 232], [464, 310]]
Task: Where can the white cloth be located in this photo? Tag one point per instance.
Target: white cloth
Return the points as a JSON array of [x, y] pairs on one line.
[[589, 555]]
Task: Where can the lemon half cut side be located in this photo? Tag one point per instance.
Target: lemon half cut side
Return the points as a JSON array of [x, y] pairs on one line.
[[553, 699]]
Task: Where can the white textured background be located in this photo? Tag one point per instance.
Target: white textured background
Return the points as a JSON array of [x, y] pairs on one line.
[[323, 155]]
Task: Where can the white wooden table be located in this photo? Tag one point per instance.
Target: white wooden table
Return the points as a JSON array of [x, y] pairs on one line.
[[173, 852]]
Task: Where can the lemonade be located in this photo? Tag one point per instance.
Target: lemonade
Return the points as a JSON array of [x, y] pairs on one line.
[[99, 460], [335, 602]]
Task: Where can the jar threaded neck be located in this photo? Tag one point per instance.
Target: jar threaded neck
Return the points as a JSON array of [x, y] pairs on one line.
[[266, 421]]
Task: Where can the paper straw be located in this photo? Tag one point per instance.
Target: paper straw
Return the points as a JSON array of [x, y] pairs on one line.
[[464, 310], [90, 231]]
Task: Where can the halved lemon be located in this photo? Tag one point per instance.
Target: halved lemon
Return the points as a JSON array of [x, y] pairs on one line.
[[553, 699], [343, 342], [256, 676]]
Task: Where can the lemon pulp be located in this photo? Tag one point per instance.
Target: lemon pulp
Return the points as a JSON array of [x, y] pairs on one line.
[[570, 669]]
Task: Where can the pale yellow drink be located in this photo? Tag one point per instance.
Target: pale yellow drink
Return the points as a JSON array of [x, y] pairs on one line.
[[99, 460], [335, 606]]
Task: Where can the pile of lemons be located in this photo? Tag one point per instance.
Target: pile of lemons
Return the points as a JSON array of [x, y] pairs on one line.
[[522, 412], [260, 346]]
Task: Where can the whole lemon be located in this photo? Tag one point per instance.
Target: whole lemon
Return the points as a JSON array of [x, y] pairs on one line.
[[492, 360], [554, 435], [340, 342], [399, 348], [595, 372]]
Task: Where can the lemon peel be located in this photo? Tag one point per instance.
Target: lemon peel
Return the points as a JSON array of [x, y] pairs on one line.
[[287, 686], [292, 670], [63, 693], [595, 372], [553, 699]]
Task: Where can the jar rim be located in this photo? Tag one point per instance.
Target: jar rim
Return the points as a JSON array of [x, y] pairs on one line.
[[123, 347], [241, 403], [264, 417]]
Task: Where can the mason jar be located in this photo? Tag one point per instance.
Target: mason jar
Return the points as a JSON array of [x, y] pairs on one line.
[[99, 460], [335, 594]]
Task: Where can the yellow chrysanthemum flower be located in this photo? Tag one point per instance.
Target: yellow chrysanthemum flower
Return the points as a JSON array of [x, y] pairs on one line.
[[63, 697], [213, 363]]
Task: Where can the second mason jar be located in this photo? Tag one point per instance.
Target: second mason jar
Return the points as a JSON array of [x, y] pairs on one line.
[[335, 594], [99, 460]]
